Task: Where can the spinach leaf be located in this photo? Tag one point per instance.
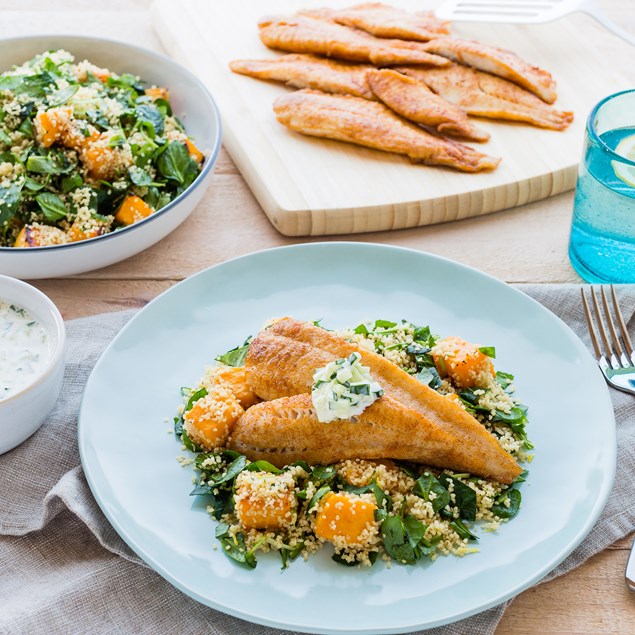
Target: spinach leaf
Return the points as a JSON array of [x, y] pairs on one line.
[[426, 484], [462, 530], [504, 379], [10, 201], [188, 443], [53, 163], [315, 499], [234, 469], [235, 356], [71, 182], [464, 496], [263, 466], [176, 164], [52, 206], [234, 546], [323, 473], [430, 376], [148, 114], [503, 510], [404, 538], [490, 351], [289, 554], [30, 85], [423, 336], [61, 96], [27, 128], [380, 495], [5, 138], [139, 176]]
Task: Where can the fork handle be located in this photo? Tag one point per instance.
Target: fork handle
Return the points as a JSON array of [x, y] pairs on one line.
[[590, 9]]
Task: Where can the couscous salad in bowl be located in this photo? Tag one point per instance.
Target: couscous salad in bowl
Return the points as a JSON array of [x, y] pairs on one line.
[[98, 140], [132, 464]]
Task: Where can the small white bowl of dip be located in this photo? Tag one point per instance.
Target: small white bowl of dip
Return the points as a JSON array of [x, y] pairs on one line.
[[32, 339]]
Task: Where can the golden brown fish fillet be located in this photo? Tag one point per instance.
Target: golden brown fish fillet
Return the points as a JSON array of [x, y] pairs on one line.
[[497, 62], [383, 20], [306, 34], [282, 359], [413, 100], [485, 95], [310, 71], [370, 124], [287, 429]]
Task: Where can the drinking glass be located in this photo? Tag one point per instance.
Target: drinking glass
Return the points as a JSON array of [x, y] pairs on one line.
[[602, 244]]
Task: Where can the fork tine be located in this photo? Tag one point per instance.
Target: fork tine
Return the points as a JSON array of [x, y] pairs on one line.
[[598, 316], [620, 320], [591, 325], [609, 318]]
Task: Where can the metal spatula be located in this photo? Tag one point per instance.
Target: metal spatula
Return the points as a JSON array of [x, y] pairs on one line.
[[524, 12]]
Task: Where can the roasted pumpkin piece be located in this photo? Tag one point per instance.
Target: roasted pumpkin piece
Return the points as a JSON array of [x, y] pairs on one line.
[[264, 500], [234, 378], [345, 520], [195, 153], [37, 235], [158, 92], [51, 125], [132, 210], [211, 419], [462, 362], [82, 231]]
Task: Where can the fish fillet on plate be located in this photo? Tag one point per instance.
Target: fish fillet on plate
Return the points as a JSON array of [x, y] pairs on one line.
[[281, 362], [385, 21], [307, 34], [310, 71], [485, 95], [373, 125], [416, 102], [497, 62]]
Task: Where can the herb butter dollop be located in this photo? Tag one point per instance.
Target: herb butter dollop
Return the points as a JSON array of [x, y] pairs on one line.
[[344, 388], [24, 349]]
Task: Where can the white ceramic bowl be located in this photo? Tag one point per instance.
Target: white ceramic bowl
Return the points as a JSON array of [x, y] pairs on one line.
[[22, 413], [190, 101]]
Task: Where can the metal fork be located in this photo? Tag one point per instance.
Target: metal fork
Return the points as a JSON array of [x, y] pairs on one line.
[[618, 365], [615, 358]]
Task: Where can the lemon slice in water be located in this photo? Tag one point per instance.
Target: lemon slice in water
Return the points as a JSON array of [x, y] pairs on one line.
[[625, 148]]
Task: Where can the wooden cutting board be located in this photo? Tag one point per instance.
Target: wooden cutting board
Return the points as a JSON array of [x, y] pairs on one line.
[[314, 187]]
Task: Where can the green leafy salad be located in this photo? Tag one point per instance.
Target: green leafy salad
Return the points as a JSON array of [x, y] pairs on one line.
[[85, 151], [401, 512]]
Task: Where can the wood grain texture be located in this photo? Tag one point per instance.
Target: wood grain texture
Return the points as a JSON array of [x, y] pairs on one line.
[[525, 244], [316, 187]]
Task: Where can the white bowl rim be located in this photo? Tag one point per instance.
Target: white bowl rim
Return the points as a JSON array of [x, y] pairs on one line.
[[60, 331], [207, 166]]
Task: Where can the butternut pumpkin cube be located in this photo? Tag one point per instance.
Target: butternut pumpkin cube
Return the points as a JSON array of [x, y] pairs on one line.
[[195, 153], [345, 520], [235, 380], [50, 125], [37, 235], [132, 210], [265, 501], [462, 362], [211, 419], [158, 92]]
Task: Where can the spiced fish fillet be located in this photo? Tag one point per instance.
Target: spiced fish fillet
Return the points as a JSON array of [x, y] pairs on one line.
[[286, 430], [307, 34], [385, 21], [282, 359], [497, 62], [373, 125], [485, 95], [416, 102], [310, 71]]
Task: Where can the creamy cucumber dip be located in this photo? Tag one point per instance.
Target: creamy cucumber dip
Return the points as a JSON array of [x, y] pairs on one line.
[[24, 349]]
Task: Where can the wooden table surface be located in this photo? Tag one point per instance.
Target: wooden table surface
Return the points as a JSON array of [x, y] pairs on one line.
[[523, 245]]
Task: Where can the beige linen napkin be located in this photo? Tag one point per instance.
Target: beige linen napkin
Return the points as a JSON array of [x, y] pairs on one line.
[[63, 568]]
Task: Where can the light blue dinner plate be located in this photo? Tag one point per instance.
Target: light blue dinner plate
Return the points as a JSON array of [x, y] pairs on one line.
[[130, 459]]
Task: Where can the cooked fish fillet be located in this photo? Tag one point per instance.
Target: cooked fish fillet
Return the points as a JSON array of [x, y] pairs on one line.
[[413, 100], [287, 429], [498, 62], [310, 71], [383, 20], [370, 124], [282, 359], [485, 95], [306, 34]]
